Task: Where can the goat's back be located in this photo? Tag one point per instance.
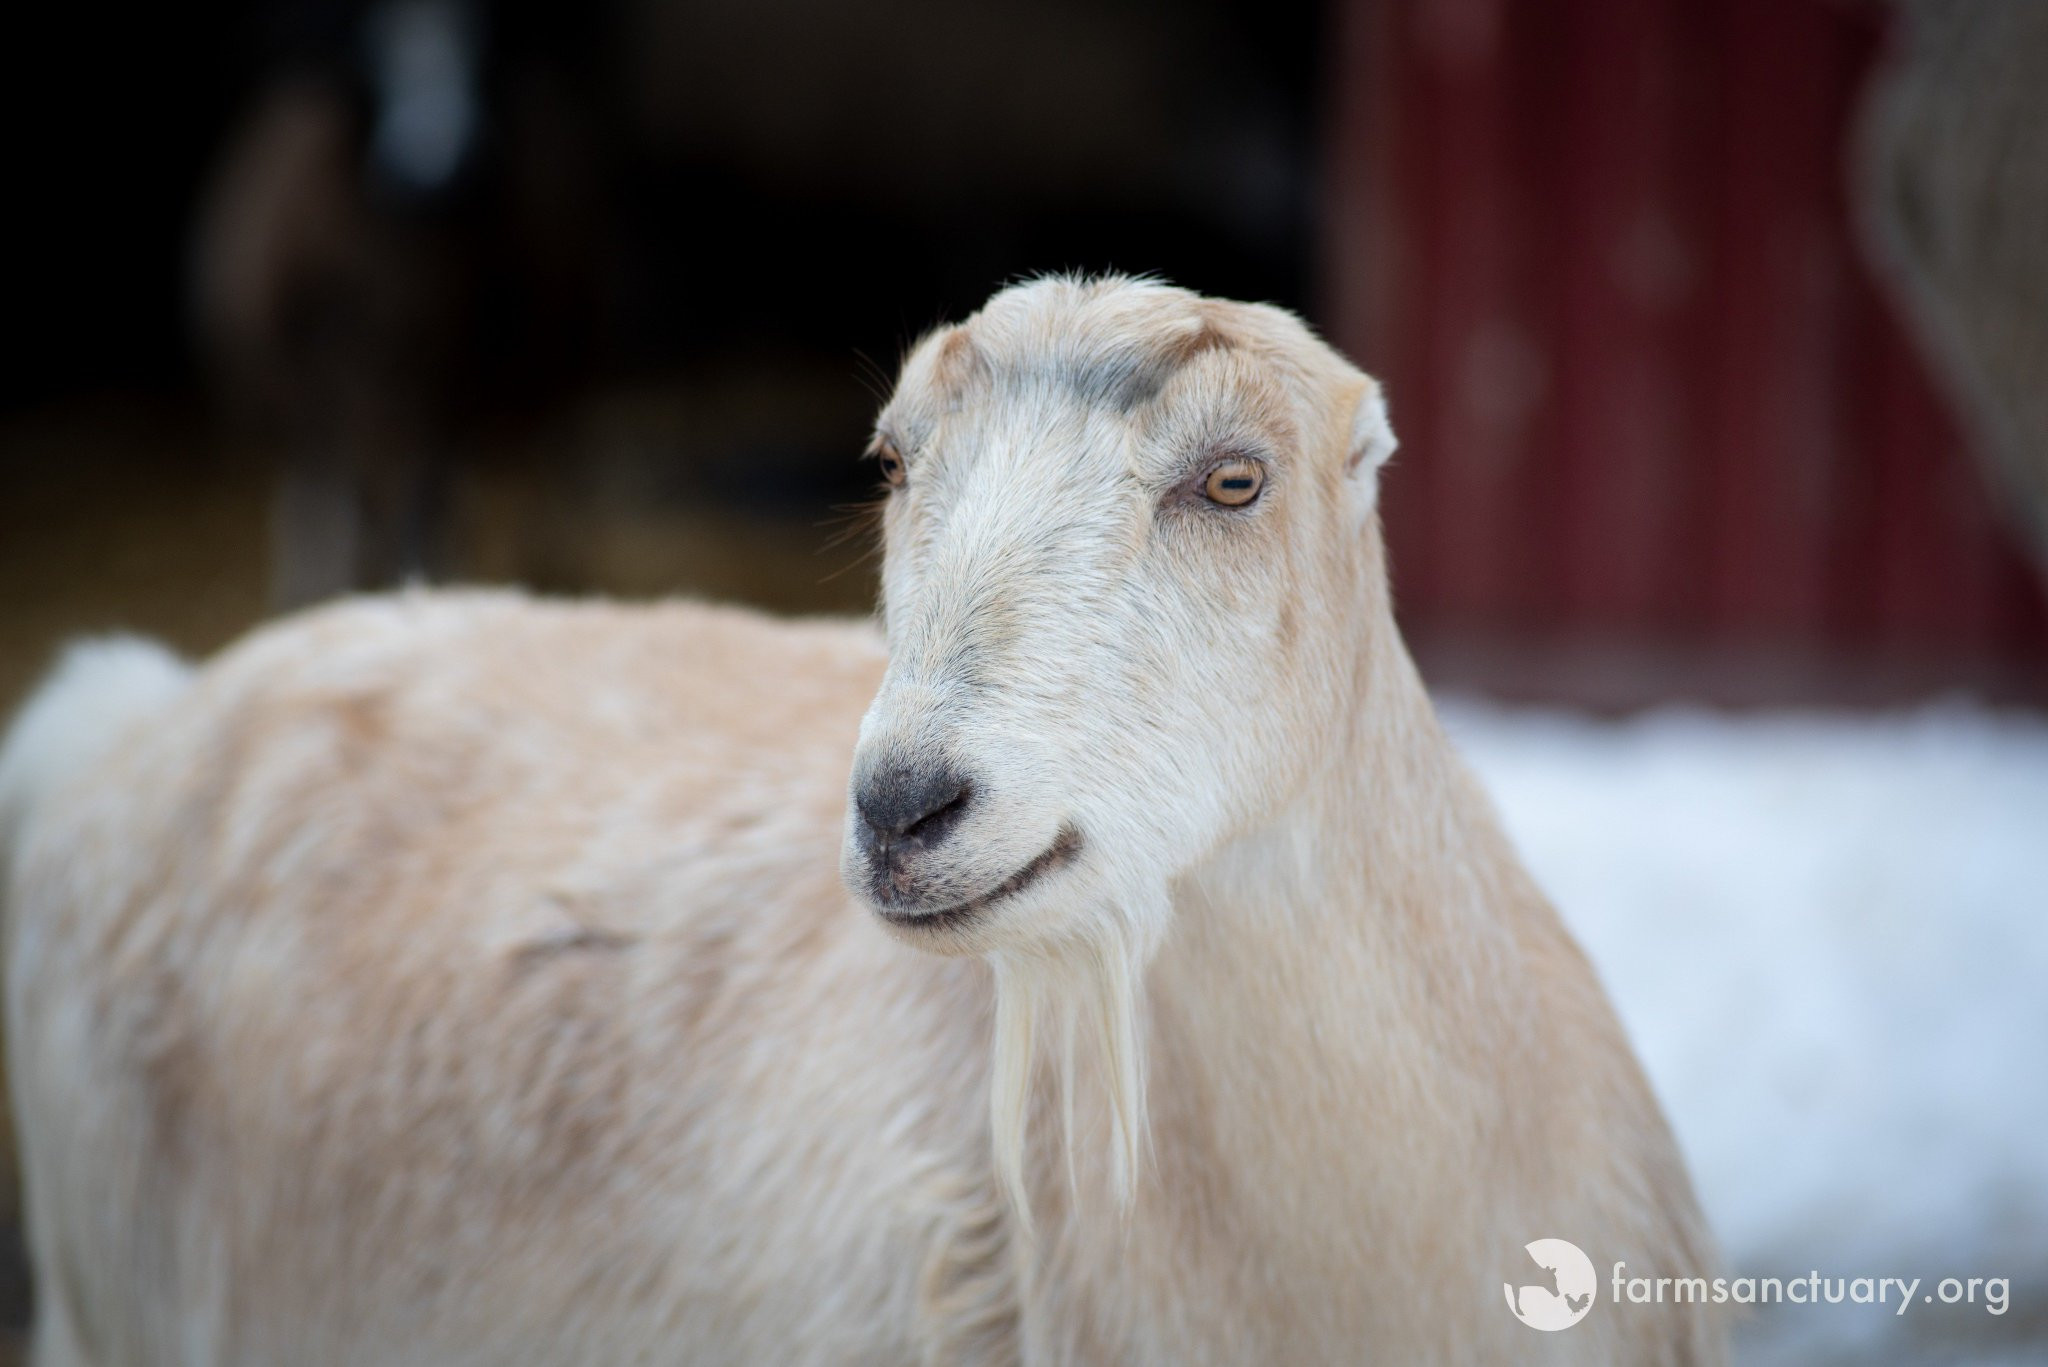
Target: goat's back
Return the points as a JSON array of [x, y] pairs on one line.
[[456, 978]]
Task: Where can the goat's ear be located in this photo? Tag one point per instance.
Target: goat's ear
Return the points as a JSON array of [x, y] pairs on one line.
[[1372, 441]]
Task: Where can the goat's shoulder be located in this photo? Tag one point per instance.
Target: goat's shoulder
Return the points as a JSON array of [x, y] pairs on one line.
[[498, 915], [416, 755], [476, 691]]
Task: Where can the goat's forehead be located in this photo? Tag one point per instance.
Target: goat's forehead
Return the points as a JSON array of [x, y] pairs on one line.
[[1066, 418], [1082, 358]]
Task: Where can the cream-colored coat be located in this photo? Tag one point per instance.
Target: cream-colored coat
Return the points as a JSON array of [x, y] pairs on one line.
[[459, 978]]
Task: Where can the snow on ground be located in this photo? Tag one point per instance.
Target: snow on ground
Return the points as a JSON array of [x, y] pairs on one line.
[[1828, 936]]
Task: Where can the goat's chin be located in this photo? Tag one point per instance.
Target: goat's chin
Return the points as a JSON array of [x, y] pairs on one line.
[[963, 938]]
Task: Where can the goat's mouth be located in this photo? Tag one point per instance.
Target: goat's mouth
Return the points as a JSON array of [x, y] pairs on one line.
[[1064, 850]]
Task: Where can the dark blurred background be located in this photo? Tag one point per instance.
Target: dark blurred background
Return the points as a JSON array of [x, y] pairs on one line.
[[309, 295], [319, 294]]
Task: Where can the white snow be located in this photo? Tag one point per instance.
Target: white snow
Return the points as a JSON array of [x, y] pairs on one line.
[[1828, 936]]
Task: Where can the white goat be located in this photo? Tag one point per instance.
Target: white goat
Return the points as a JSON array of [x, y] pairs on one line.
[[455, 978]]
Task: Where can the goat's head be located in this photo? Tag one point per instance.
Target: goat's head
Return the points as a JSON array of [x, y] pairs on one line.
[[1130, 554]]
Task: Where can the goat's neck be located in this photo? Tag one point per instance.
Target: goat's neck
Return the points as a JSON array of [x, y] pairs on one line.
[[1384, 862], [1320, 969], [1337, 1020]]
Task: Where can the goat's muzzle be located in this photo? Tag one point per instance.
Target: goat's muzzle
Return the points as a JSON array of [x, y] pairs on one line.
[[907, 811]]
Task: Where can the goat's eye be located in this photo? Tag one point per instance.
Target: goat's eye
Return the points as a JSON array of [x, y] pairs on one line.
[[891, 461], [1234, 483]]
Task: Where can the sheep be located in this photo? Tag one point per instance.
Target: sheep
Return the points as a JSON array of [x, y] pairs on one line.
[[454, 977]]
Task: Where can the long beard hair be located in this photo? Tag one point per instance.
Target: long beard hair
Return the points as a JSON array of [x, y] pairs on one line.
[[1073, 1004]]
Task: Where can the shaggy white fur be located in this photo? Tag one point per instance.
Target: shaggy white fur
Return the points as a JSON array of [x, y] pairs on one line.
[[454, 979], [98, 688]]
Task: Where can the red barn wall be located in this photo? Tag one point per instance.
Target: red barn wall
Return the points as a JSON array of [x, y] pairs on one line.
[[1662, 434]]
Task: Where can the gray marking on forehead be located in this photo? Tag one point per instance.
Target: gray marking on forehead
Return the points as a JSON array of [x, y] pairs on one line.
[[1146, 374], [1122, 380]]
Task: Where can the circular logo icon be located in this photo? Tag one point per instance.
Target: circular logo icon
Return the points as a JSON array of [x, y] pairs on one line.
[[1559, 1296]]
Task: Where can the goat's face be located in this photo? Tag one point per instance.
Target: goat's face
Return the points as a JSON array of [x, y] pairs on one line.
[[1128, 549]]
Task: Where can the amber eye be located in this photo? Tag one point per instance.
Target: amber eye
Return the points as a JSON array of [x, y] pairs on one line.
[[1234, 483], [891, 462]]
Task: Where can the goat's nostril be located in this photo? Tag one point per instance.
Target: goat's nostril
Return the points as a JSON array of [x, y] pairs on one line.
[[922, 801], [940, 811]]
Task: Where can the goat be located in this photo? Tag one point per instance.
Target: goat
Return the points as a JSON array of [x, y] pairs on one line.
[[458, 978]]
